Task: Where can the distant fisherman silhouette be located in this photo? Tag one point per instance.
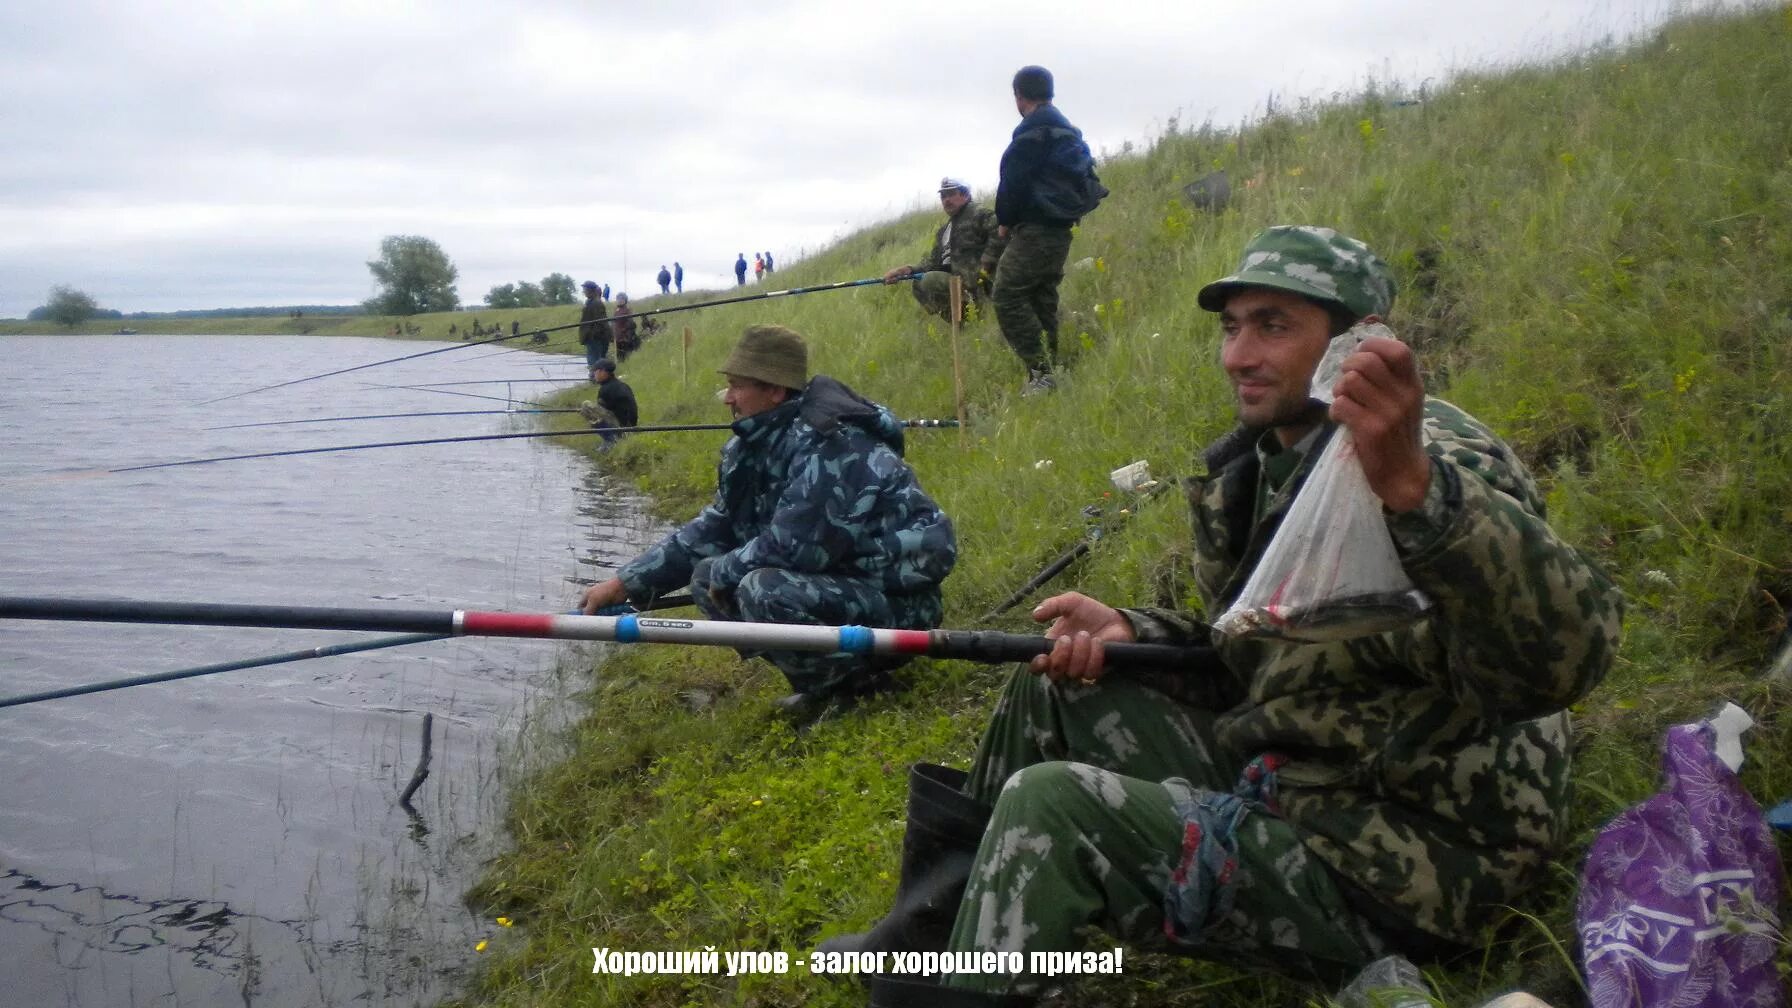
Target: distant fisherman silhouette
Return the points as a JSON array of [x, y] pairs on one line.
[[594, 331]]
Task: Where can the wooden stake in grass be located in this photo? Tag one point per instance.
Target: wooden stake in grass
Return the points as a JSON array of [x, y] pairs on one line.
[[957, 363]]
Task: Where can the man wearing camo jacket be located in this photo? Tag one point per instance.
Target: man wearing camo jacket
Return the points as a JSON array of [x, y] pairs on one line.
[[1306, 808]]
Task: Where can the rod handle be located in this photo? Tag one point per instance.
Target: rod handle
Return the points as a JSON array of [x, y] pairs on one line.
[[994, 646]]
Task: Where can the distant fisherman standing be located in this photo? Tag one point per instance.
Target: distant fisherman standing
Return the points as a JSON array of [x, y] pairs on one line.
[[1048, 184], [816, 520], [594, 332]]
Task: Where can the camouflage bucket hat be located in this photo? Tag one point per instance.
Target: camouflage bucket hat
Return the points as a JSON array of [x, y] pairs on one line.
[[771, 354], [1315, 261]]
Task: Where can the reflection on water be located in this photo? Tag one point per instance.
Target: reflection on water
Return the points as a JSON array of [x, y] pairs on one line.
[[237, 838]]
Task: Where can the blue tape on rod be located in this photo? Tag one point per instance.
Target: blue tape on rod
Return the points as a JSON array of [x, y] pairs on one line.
[[857, 639], [628, 630]]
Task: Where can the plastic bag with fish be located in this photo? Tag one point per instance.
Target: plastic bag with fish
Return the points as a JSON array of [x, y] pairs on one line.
[[1331, 572]]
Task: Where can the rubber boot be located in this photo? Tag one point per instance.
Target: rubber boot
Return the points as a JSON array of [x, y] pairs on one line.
[[890, 992], [944, 828]]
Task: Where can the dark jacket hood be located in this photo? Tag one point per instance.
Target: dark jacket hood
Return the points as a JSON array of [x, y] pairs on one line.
[[827, 404]]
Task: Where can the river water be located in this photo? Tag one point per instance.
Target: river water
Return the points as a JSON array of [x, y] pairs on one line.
[[237, 838]]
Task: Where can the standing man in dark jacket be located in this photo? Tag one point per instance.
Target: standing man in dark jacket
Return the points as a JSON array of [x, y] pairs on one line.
[[967, 244], [594, 331], [615, 405], [678, 276], [816, 520], [665, 279], [740, 270], [1048, 183]]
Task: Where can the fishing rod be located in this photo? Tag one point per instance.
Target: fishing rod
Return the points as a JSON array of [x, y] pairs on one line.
[[1134, 479], [437, 391], [305, 654], [289, 656], [361, 367], [988, 646], [644, 429], [498, 381], [388, 416], [761, 296]]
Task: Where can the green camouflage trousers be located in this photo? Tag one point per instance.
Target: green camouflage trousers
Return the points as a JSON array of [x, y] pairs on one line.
[[1025, 295], [1101, 796], [934, 293], [771, 595]]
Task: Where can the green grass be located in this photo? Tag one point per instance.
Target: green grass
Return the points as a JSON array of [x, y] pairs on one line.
[[1593, 259]]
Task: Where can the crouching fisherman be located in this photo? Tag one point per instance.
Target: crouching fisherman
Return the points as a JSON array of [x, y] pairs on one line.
[[816, 520], [615, 403]]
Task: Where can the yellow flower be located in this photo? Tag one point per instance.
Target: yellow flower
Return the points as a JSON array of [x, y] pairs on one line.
[[504, 922], [480, 947], [756, 801]]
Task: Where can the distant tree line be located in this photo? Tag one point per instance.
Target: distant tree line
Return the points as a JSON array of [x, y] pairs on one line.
[[416, 276], [70, 307], [554, 289]]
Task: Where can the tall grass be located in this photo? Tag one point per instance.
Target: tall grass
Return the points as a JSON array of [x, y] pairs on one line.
[[1593, 258]]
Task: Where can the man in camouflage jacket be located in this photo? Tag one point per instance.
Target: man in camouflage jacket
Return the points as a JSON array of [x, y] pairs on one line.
[[967, 245], [816, 519], [1307, 808]]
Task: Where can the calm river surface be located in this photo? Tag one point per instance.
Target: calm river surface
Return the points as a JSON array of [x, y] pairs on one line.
[[237, 838]]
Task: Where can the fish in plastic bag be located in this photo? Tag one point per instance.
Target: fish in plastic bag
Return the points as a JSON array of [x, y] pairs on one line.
[[1331, 572]]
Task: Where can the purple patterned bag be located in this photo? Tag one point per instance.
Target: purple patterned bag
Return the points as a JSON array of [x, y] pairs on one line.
[[1679, 902]]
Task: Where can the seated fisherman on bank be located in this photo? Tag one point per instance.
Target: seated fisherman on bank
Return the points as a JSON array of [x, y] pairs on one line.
[[966, 245], [615, 404], [816, 520], [1303, 808]]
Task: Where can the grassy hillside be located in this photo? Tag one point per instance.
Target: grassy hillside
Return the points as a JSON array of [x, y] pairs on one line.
[[1593, 259]]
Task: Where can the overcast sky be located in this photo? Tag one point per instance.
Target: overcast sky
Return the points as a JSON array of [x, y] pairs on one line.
[[221, 154]]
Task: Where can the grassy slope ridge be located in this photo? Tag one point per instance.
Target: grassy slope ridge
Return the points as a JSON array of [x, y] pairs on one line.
[[1593, 260]]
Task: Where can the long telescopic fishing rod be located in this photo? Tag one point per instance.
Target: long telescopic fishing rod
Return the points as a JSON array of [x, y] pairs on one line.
[[440, 391], [499, 381], [761, 296], [988, 646], [388, 416], [645, 429], [359, 367], [327, 651]]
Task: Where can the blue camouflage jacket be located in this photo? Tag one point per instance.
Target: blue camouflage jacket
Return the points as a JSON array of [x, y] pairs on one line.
[[815, 485]]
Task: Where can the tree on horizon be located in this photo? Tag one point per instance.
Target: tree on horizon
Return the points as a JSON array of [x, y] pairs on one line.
[[415, 276], [69, 306]]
